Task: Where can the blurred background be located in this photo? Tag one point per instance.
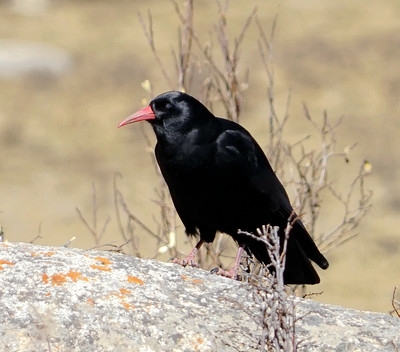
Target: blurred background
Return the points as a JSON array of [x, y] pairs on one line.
[[70, 71]]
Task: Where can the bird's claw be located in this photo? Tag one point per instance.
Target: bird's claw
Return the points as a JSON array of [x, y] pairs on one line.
[[190, 259], [185, 262], [232, 273]]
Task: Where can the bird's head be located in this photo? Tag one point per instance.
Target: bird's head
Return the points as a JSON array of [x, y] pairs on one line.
[[171, 112]]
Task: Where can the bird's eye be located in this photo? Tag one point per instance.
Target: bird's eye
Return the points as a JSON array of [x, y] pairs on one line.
[[163, 106]]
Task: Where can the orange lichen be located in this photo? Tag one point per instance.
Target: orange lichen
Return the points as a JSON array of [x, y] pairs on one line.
[[122, 296], [135, 280], [59, 279], [45, 278], [200, 340], [127, 305], [2, 261], [195, 281], [76, 275], [103, 260], [45, 254], [5, 262], [100, 267], [104, 264], [124, 291], [197, 343]]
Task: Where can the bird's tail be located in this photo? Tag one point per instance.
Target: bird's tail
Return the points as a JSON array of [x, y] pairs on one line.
[[300, 249]]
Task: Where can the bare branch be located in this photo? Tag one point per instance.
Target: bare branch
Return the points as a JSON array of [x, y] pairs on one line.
[[278, 317], [97, 236], [395, 303], [148, 32], [39, 234]]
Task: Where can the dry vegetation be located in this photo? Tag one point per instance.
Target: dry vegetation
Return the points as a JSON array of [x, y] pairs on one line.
[[58, 134], [303, 170]]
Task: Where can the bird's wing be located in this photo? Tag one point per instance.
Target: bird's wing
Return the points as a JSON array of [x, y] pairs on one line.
[[244, 156]]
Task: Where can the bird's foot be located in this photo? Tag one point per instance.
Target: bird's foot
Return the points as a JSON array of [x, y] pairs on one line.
[[190, 259], [232, 273]]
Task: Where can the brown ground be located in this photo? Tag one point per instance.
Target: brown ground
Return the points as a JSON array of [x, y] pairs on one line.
[[58, 135]]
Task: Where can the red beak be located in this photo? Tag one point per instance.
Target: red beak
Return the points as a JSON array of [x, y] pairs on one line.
[[143, 114]]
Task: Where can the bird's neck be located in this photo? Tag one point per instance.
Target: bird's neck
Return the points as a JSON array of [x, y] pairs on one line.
[[186, 134]]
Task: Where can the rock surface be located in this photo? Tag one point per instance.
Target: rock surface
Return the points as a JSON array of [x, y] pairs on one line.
[[62, 299]]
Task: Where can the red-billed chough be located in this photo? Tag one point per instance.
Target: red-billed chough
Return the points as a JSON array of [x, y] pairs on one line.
[[220, 180]]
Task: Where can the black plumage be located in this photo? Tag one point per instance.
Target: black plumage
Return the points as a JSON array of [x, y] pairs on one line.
[[220, 180]]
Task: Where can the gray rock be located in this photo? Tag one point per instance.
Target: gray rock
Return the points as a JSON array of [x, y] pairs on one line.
[[61, 299]]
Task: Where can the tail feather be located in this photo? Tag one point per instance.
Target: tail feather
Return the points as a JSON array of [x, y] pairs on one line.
[[300, 249], [306, 242], [298, 268]]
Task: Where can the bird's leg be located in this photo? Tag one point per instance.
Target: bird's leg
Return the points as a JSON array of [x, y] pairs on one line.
[[232, 273], [190, 259]]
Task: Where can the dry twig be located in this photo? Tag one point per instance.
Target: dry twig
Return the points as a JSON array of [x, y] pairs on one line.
[[395, 303], [96, 234], [276, 302]]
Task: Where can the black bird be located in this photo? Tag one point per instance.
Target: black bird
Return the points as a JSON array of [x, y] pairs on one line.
[[220, 180]]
